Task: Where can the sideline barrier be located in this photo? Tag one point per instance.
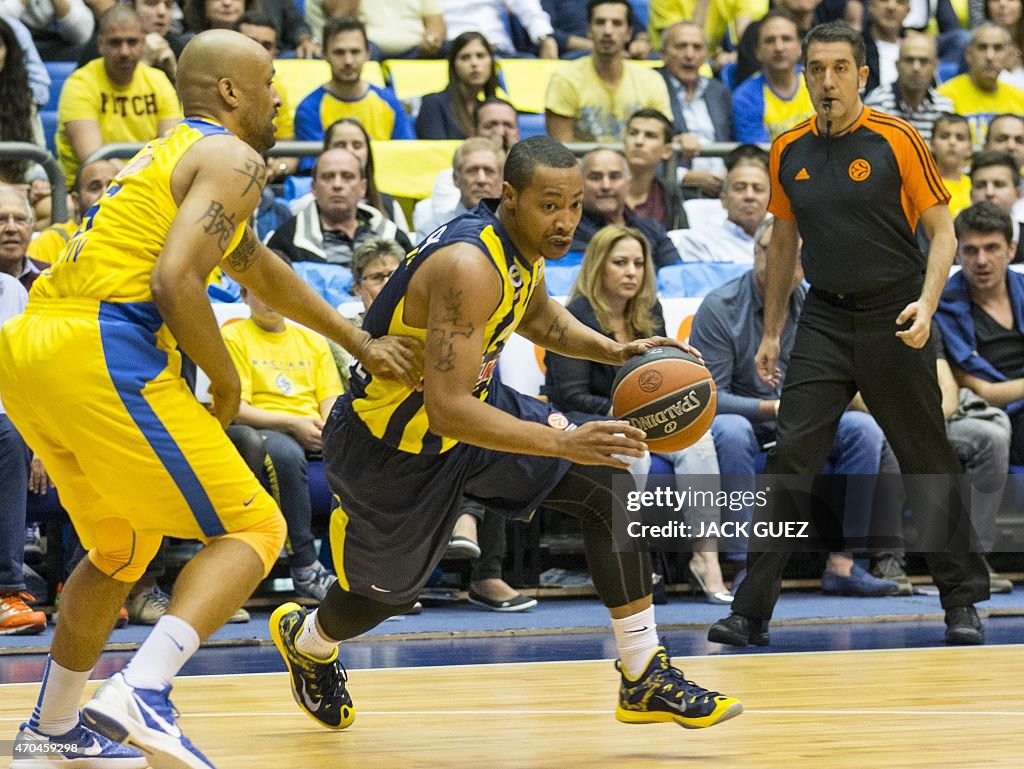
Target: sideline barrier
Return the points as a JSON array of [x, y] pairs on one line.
[[37, 154]]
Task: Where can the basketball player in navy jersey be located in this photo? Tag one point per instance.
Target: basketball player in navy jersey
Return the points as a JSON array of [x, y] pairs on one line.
[[401, 459]]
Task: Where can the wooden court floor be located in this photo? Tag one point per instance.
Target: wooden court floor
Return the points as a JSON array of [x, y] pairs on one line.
[[908, 709]]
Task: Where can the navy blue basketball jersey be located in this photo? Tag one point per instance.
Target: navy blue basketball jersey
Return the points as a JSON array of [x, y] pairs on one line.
[[394, 413]]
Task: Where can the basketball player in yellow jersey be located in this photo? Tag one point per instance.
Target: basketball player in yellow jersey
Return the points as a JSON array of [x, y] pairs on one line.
[[400, 461], [91, 377]]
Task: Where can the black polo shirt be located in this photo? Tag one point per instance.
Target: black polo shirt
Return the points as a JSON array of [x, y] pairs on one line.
[[856, 200], [1002, 347]]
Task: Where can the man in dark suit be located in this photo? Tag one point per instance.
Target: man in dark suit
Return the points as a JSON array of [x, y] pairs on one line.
[[701, 106], [606, 178]]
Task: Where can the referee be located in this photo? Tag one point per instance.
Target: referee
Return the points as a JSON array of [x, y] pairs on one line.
[[854, 183]]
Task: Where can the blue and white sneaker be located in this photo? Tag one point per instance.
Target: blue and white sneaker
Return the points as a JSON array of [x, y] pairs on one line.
[[81, 748], [145, 719]]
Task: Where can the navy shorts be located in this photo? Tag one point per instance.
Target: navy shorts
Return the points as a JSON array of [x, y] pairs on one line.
[[397, 510]]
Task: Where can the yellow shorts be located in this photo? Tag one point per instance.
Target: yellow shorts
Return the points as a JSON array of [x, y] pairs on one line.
[[102, 403]]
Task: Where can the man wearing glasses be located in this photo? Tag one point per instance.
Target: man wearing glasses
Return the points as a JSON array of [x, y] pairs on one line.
[[16, 223]]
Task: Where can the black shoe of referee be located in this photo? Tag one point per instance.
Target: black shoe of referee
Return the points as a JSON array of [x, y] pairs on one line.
[[738, 630]]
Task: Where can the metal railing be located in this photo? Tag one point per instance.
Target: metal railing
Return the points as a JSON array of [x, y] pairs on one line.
[[312, 149], [42, 156]]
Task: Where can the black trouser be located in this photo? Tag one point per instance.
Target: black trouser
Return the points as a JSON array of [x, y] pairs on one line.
[[844, 345], [585, 492]]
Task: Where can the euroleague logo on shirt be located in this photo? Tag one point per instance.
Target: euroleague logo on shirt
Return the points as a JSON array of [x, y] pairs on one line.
[[859, 170]]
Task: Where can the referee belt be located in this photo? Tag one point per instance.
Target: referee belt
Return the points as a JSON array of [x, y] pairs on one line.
[[903, 290]]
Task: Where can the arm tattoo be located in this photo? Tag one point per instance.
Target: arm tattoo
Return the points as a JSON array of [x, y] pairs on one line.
[[255, 172], [453, 314], [557, 330], [445, 351], [242, 258], [451, 326], [218, 223]]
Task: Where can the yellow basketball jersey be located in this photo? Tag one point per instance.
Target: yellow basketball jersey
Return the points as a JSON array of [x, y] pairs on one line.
[[112, 255], [390, 410]]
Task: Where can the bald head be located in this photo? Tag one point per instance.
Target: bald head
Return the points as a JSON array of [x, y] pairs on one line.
[[226, 76], [605, 183], [211, 57]]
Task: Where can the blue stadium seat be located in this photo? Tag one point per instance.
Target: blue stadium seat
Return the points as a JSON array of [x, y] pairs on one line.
[[697, 279], [670, 281], [560, 277], [947, 70], [58, 72], [297, 186], [531, 124], [728, 74], [224, 290], [701, 278], [49, 120], [332, 281], [571, 259], [642, 11]]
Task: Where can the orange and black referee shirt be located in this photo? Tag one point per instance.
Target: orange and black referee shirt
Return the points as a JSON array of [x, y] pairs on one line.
[[856, 199]]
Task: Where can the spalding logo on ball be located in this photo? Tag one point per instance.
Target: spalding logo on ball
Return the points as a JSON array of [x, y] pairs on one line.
[[667, 393]]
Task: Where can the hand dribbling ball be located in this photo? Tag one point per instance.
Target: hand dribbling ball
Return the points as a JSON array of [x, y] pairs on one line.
[[667, 393]]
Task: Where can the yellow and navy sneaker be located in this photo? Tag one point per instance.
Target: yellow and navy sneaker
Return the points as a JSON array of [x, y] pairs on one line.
[[661, 695], [318, 686]]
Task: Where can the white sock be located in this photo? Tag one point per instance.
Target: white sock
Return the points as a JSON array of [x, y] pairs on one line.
[[168, 647], [636, 637], [312, 642], [56, 711]]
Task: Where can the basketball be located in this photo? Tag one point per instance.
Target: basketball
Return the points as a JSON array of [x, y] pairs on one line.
[[667, 393]]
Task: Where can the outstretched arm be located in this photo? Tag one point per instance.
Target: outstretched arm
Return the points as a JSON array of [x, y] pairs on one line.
[[458, 291], [268, 276], [548, 324]]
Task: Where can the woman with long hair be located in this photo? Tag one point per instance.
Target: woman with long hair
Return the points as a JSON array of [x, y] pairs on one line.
[[17, 107], [615, 294], [472, 76]]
